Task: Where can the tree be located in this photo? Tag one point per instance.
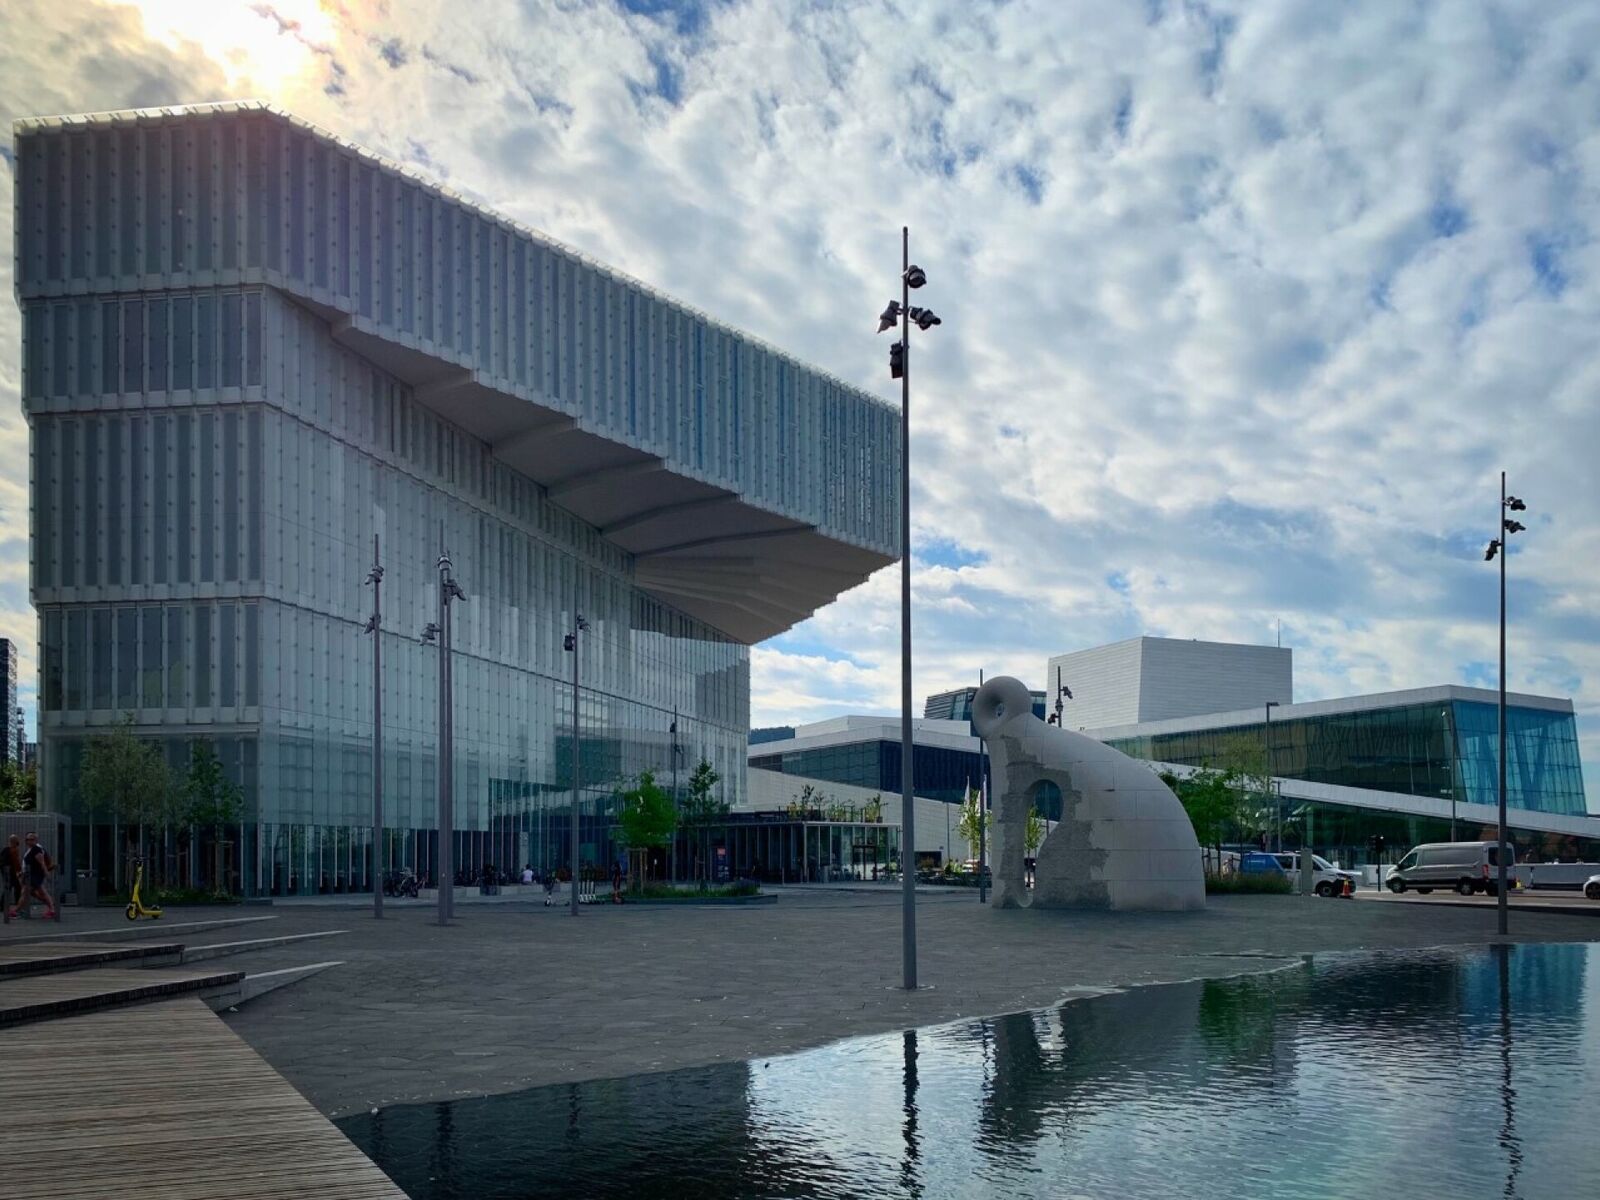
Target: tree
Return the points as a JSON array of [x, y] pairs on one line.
[[701, 808], [1033, 832], [209, 799], [968, 825], [19, 787], [1212, 800], [126, 777], [646, 818]]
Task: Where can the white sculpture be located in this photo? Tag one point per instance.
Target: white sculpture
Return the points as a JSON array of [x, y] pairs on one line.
[[1124, 841]]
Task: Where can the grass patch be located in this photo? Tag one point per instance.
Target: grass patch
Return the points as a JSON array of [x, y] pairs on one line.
[[1264, 883], [725, 891], [157, 897]]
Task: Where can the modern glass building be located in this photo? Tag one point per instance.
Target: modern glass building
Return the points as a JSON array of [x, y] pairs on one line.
[[1439, 742], [957, 705], [1398, 764], [250, 348]]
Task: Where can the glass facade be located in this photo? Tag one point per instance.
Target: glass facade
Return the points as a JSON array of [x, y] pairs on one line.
[[940, 772], [211, 462], [1446, 750], [957, 705]]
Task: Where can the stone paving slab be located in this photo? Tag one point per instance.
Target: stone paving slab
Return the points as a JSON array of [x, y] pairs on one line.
[[511, 997]]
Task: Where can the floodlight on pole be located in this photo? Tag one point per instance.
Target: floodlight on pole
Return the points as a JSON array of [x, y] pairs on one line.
[[911, 276], [1499, 545]]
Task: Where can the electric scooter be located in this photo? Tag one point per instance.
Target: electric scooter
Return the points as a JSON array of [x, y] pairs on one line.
[[136, 907]]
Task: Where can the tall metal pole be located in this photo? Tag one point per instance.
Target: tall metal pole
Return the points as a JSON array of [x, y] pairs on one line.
[[1505, 549], [674, 864], [376, 629], [578, 626], [908, 817], [983, 814], [444, 859]]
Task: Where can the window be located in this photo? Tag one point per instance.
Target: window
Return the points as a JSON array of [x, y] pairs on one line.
[[100, 650], [227, 656], [52, 666], [205, 518], [202, 656], [160, 434], [183, 518], [252, 655], [177, 676], [90, 516], [230, 496], [156, 345], [232, 335], [133, 346], [182, 343], [110, 339], [127, 658], [205, 362], [150, 667], [77, 659]]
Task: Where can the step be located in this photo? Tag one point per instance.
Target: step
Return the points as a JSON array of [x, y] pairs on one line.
[[194, 954], [44, 997], [44, 958], [132, 931]]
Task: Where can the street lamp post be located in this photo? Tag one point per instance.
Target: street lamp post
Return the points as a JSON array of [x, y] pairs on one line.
[[449, 591], [579, 625], [374, 627], [900, 312], [676, 750], [1498, 546]]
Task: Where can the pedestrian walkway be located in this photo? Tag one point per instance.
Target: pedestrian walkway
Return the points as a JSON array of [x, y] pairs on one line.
[[151, 1095], [165, 1101]]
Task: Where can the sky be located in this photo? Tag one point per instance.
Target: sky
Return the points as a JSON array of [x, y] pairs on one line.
[[1245, 306]]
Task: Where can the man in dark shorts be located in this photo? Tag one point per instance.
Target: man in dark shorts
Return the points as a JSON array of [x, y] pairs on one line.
[[36, 868]]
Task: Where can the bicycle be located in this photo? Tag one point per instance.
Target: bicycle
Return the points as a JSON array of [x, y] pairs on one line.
[[136, 906]]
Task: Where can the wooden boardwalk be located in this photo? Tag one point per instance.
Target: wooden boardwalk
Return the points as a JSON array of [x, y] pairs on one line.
[[165, 1101], [36, 958], [44, 997]]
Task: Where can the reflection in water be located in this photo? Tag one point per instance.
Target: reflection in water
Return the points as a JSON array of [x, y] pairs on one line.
[[1353, 1075]]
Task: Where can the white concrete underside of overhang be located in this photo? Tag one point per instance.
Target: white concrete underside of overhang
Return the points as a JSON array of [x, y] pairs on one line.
[[742, 569]]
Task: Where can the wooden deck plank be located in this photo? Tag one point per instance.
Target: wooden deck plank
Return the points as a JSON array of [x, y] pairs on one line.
[[38, 997], [34, 958], [164, 1100]]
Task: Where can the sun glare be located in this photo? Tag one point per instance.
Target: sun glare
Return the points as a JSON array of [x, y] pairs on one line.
[[263, 48]]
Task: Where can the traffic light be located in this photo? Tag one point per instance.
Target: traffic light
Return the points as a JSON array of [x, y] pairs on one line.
[[1378, 843], [897, 360]]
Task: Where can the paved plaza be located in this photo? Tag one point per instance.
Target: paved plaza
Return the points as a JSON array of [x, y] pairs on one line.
[[514, 996]]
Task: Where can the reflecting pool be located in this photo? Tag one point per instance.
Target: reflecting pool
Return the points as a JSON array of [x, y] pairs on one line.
[[1454, 1072]]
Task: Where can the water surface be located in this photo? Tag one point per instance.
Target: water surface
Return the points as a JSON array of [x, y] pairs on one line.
[[1467, 1073]]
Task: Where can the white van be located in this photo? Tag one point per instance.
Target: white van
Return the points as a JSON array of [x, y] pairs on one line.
[[1465, 866]]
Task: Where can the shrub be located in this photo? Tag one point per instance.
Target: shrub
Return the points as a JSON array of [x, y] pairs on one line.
[[1263, 883], [171, 895], [665, 891]]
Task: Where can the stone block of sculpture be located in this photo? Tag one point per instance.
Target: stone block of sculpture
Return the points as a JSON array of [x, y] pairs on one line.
[[1123, 842]]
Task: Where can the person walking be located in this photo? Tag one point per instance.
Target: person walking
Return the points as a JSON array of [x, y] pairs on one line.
[[11, 877], [36, 866]]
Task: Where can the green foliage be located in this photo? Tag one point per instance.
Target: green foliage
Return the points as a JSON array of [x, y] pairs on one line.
[[700, 806], [1213, 801], [1033, 832], [209, 798], [971, 814], [664, 891], [159, 896], [19, 787], [1261, 883], [125, 777], [647, 817]]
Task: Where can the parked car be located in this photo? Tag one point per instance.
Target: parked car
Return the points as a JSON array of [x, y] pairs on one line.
[[1467, 867], [1327, 878], [1591, 887]]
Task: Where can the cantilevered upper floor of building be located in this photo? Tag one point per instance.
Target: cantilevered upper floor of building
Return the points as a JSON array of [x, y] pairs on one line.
[[748, 488]]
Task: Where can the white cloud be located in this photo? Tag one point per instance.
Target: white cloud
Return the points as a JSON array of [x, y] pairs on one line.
[[1245, 305]]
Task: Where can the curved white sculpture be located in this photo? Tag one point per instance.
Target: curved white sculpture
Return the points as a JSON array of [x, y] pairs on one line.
[[1124, 841]]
